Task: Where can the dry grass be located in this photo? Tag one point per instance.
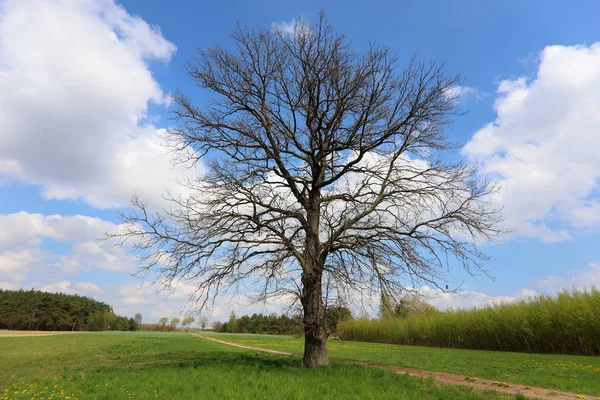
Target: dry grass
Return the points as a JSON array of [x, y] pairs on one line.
[[9, 333]]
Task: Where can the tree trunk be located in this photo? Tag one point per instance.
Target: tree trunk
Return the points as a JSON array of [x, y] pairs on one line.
[[315, 332]]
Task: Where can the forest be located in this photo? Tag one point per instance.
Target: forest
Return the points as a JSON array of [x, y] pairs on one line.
[[42, 311]]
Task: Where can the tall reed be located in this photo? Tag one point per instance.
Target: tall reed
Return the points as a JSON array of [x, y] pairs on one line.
[[567, 323]]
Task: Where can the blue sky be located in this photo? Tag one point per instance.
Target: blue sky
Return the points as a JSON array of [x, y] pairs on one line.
[[84, 96]]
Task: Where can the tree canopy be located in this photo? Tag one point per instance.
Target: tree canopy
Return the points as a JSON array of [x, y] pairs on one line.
[[37, 310]]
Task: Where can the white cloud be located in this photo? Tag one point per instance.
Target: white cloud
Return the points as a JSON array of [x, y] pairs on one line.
[[462, 93], [286, 27], [576, 279], [68, 287], [74, 93], [543, 145], [15, 264], [25, 229], [22, 234], [469, 299], [298, 27], [9, 286]]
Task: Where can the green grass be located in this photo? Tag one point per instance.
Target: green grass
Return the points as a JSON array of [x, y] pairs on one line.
[[556, 371], [124, 365]]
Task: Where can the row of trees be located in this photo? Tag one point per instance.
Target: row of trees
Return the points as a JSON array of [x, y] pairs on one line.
[[282, 325], [166, 325], [37, 310]]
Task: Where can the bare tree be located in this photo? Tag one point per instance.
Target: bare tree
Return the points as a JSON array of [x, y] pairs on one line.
[[202, 321], [327, 174]]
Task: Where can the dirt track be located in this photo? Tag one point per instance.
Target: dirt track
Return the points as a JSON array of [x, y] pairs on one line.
[[7, 333], [530, 392]]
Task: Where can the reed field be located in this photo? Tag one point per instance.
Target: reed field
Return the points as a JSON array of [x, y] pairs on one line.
[[568, 323]]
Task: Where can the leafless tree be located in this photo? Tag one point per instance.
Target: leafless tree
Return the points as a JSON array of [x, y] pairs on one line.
[[324, 168], [202, 321]]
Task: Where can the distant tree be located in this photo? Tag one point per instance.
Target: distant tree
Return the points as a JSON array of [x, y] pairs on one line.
[[202, 321], [409, 305], [174, 322], [337, 314], [217, 326], [132, 325], [138, 318], [232, 323], [225, 327], [323, 165], [412, 305], [386, 306], [187, 321], [163, 322]]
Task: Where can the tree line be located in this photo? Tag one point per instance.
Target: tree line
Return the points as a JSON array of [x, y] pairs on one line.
[[42, 311], [278, 325]]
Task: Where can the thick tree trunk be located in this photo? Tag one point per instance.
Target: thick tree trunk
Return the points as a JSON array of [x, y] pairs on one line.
[[315, 329]]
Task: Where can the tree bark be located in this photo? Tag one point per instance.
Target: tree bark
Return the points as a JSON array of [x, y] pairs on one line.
[[315, 329]]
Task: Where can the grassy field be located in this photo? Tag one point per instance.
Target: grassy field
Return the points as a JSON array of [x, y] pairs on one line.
[[563, 372], [132, 365]]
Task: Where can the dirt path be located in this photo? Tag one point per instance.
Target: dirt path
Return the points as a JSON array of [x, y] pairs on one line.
[[530, 392], [8, 333]]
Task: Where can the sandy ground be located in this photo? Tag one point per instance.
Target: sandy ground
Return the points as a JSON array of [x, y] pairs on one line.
[[531, 392], [7, 333]]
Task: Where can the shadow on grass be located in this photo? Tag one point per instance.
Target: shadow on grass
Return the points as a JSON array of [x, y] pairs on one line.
[[203, 359]]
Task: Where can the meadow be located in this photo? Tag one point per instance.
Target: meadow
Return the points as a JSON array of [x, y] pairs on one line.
[[579, 374], [143, 365]]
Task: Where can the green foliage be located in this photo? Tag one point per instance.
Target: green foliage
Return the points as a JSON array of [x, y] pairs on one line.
[[187, 321], [568, 323], [122, 366], [413, 305], [163, 322], [36, 310], [335, 315], [410, 305], [174, 322], [282, 325], [259, 323]]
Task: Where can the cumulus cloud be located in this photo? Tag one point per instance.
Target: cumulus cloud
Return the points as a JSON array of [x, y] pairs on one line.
[[22, 235], [74, 93], [463, 93], [16, 264], [68, 287], [577, 279], [469, 299], [543, 146], [286, 27]]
